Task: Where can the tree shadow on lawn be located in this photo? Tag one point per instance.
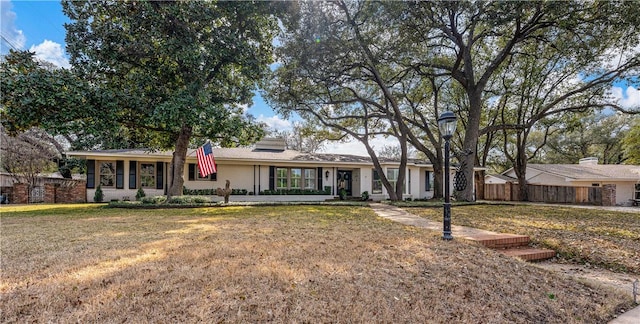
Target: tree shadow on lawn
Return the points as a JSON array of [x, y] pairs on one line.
[[289, 264]]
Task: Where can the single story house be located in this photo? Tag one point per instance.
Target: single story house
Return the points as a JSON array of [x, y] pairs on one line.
[[587, 173], [261, 173]]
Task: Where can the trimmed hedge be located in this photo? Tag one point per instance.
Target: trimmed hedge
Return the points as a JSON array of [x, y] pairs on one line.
[[212, 192]]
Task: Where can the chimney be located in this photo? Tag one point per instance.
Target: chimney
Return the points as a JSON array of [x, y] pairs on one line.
[[272, 144], [589, 161]]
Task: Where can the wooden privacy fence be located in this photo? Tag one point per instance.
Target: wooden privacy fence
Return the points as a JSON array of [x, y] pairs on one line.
[[553, 194]]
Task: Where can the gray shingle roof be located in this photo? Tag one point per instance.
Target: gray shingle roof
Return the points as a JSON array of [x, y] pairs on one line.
[[590, 171], [240, 153]]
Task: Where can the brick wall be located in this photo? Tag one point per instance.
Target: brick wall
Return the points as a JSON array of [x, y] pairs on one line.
[[70, 192], [609, 195], [20, 193]]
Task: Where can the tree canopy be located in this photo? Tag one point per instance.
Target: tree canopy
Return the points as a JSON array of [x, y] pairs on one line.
[[173, 73]]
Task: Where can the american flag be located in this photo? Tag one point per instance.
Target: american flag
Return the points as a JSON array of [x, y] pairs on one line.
[[206, 162]]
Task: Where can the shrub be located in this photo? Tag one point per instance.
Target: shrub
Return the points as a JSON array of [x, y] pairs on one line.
[[154, 200], [140, 194], [185, 200], [365, 196], [99, 195], [343, 194]]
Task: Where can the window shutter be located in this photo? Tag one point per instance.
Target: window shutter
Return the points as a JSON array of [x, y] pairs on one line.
[[320, 175], [133, 179], [91, 173], [192, 171], [272, 178], [159, 175], [119, 174], [427, 184]]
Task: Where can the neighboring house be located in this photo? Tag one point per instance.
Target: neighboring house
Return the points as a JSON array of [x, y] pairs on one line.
[[587, 173], [260, 171]]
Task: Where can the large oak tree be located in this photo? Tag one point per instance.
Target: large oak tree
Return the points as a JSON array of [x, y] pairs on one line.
[[174, 72]]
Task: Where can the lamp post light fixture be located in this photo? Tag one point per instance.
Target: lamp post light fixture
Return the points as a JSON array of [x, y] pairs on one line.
[[447, 125]]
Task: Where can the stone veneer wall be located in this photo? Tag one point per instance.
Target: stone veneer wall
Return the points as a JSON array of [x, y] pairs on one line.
[[609, 195]]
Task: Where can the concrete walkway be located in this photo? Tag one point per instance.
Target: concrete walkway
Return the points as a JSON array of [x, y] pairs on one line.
[[401, 216]]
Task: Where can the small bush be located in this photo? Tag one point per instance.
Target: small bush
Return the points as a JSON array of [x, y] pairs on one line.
[[140, 194], [365, 196], [186, 200], [154, 200], [99, 195]]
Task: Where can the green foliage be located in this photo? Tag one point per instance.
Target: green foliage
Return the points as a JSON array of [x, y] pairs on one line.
[[186, 200], [211, 192], [173, 71], [631, 144], [169, 64], [365, 196], [99, 195], [326, 191], [69, 166], [343, 194], [156, 200], [140, 194]]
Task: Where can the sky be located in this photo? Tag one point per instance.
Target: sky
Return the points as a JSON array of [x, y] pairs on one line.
[[39, 27]]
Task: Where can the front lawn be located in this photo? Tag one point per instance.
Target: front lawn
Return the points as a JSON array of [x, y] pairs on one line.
[[88, 263], [604, 238]]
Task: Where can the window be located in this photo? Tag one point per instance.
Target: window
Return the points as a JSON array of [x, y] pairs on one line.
[[147, 175], [310, 179], [107, 174], [210, 177], [295, 178], [376, 185], [636, 195], [392, 176], [282, 175], [428, 181]]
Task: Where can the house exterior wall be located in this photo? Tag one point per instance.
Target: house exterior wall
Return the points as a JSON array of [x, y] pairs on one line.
[[254, 177], [624, 189], [494, 180]]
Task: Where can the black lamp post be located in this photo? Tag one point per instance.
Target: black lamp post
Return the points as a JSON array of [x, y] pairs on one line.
[[447, 125]]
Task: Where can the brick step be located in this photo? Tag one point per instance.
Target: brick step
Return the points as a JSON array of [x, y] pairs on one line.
[[529, 254], [500, 241]]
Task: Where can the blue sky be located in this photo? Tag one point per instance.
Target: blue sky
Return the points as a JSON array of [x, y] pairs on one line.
[[38, 26]]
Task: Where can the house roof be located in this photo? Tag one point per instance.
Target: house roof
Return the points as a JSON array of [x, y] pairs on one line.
[[588, 172], [503, 177], [247, 154]]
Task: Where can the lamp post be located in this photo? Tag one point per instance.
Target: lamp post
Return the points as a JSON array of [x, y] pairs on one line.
[[447, 126]]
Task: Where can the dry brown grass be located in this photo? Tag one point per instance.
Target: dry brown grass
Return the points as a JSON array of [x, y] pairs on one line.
[[83, 263], [607, 239]]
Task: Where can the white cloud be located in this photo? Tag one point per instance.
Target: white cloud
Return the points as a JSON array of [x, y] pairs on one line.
[[275, 122], [51, 52], [627, 98], [355, 147], [11, 36]]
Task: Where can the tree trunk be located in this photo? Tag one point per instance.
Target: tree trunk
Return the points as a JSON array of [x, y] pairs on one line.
[[471, 143], [179, 158], [520, 168]]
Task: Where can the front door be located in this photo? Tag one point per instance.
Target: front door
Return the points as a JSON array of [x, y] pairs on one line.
[[344, 181]]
